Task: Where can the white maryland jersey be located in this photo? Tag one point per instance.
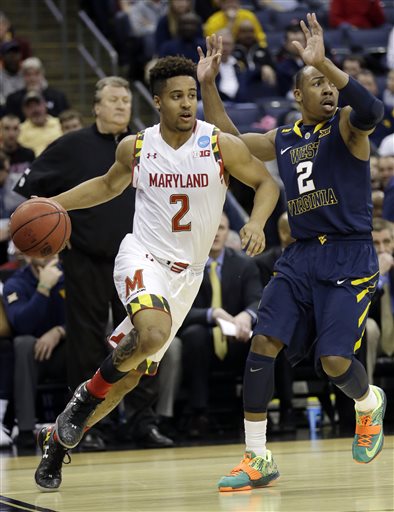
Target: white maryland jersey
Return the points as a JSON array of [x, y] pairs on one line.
[[180, 194]]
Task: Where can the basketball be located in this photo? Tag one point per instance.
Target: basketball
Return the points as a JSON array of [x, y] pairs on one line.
[[40, 227]]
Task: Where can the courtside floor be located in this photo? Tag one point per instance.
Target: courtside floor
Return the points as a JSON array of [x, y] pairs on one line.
[[316, 476]]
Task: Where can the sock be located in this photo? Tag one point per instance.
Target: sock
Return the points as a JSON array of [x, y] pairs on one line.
[[102, 381], [97, 386], [369, 403], [255, 437]]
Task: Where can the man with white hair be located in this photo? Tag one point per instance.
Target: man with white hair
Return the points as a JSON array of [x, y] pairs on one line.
[[33, 74]]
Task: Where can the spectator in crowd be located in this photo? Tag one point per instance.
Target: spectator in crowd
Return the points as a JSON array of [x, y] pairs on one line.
[[4, 231], [375, 176], [39, 129], [356, 13], [34, 299], [252, 56], [187, 40], [230, 291], [377, 203], [7, 33], [386, 172], [205, 8], [380, 324], [386, 147], [388, 92], [353, 64], [230, 15], [6, 373], [288, 59], [386, 126], [144, 16], [20, 158], [167, 26], [34, 80], [231, 81], [11, 78], [70, 120], [390, 50]]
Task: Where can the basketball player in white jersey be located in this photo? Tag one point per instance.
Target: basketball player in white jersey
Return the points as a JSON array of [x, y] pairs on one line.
[[180, 169]]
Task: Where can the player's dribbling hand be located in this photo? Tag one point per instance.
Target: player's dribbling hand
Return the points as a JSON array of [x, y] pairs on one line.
[[314, 52], [252, 238], [208, 65]]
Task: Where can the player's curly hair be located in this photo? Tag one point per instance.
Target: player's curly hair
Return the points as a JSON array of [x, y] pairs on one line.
[[168, 67]]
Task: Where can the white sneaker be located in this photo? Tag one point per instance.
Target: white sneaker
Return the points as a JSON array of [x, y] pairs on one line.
[[5, 439]]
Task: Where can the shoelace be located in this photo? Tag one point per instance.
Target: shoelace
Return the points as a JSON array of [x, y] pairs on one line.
[[244, 465], [365, 437]]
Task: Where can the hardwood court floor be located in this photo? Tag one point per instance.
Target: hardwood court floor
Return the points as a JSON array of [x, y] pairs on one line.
[[317, 476]]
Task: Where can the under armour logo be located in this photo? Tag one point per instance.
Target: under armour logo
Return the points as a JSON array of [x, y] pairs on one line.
[[153, 155]]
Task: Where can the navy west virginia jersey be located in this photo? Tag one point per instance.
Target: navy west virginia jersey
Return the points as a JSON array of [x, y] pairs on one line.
[[328, 189]]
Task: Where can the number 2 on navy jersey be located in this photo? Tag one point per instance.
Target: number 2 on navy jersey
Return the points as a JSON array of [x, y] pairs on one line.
[[304, 170], [176, 220]]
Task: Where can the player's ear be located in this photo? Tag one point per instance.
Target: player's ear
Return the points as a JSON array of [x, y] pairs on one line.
[[297, 94], [156, 101]]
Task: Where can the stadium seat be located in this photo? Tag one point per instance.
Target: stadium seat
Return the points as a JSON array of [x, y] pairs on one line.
[[389, 13], [275, 41], [281, 19], [243, 114], [369, 40], [336, 40], [275, 106]]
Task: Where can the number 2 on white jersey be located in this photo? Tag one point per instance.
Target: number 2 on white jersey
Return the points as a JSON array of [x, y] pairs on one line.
[[304, 170], [176, 220]]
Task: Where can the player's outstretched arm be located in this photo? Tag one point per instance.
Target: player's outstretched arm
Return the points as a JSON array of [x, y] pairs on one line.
[[240, 163], [261, 145], [366, 111], [103, 188]]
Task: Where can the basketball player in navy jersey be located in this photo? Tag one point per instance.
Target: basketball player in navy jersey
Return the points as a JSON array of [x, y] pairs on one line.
[[330, 273], [180, 169]]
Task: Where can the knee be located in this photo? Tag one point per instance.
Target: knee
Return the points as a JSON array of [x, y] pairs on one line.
[[152, 338], [334, 366], [266, 345]]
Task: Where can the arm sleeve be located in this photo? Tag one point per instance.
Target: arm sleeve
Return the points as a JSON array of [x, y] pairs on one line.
[[46, 175]]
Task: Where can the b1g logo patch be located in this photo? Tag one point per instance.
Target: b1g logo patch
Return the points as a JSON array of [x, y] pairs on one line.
[[203, 141]]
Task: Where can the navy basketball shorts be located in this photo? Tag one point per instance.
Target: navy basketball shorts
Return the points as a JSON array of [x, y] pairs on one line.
[[320, 293]]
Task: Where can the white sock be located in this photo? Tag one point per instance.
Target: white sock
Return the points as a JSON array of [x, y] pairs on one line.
[[255, 437], [369, 403]]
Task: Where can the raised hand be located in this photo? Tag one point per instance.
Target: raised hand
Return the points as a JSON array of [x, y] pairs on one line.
[[314, 52], [208, 65]]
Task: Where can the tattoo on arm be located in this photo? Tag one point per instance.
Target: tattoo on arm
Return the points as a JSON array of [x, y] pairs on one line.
[[126, 348]]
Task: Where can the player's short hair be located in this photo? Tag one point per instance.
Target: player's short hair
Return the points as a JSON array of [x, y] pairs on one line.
[[10, 117], [299, 78], [168, 67], [114, 81]]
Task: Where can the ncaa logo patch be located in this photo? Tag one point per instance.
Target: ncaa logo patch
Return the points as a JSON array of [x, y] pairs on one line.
[[203, 141]]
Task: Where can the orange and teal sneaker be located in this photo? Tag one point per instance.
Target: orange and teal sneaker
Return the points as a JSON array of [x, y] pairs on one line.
[[368, 440], [252, 472]]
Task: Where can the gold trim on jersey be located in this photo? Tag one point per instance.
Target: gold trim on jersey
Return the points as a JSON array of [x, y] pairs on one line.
[[217, 153], [357, 345], [356, 282], [297, 130]]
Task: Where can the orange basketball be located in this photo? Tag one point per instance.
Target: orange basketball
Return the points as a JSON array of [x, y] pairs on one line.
[[40, 227]]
